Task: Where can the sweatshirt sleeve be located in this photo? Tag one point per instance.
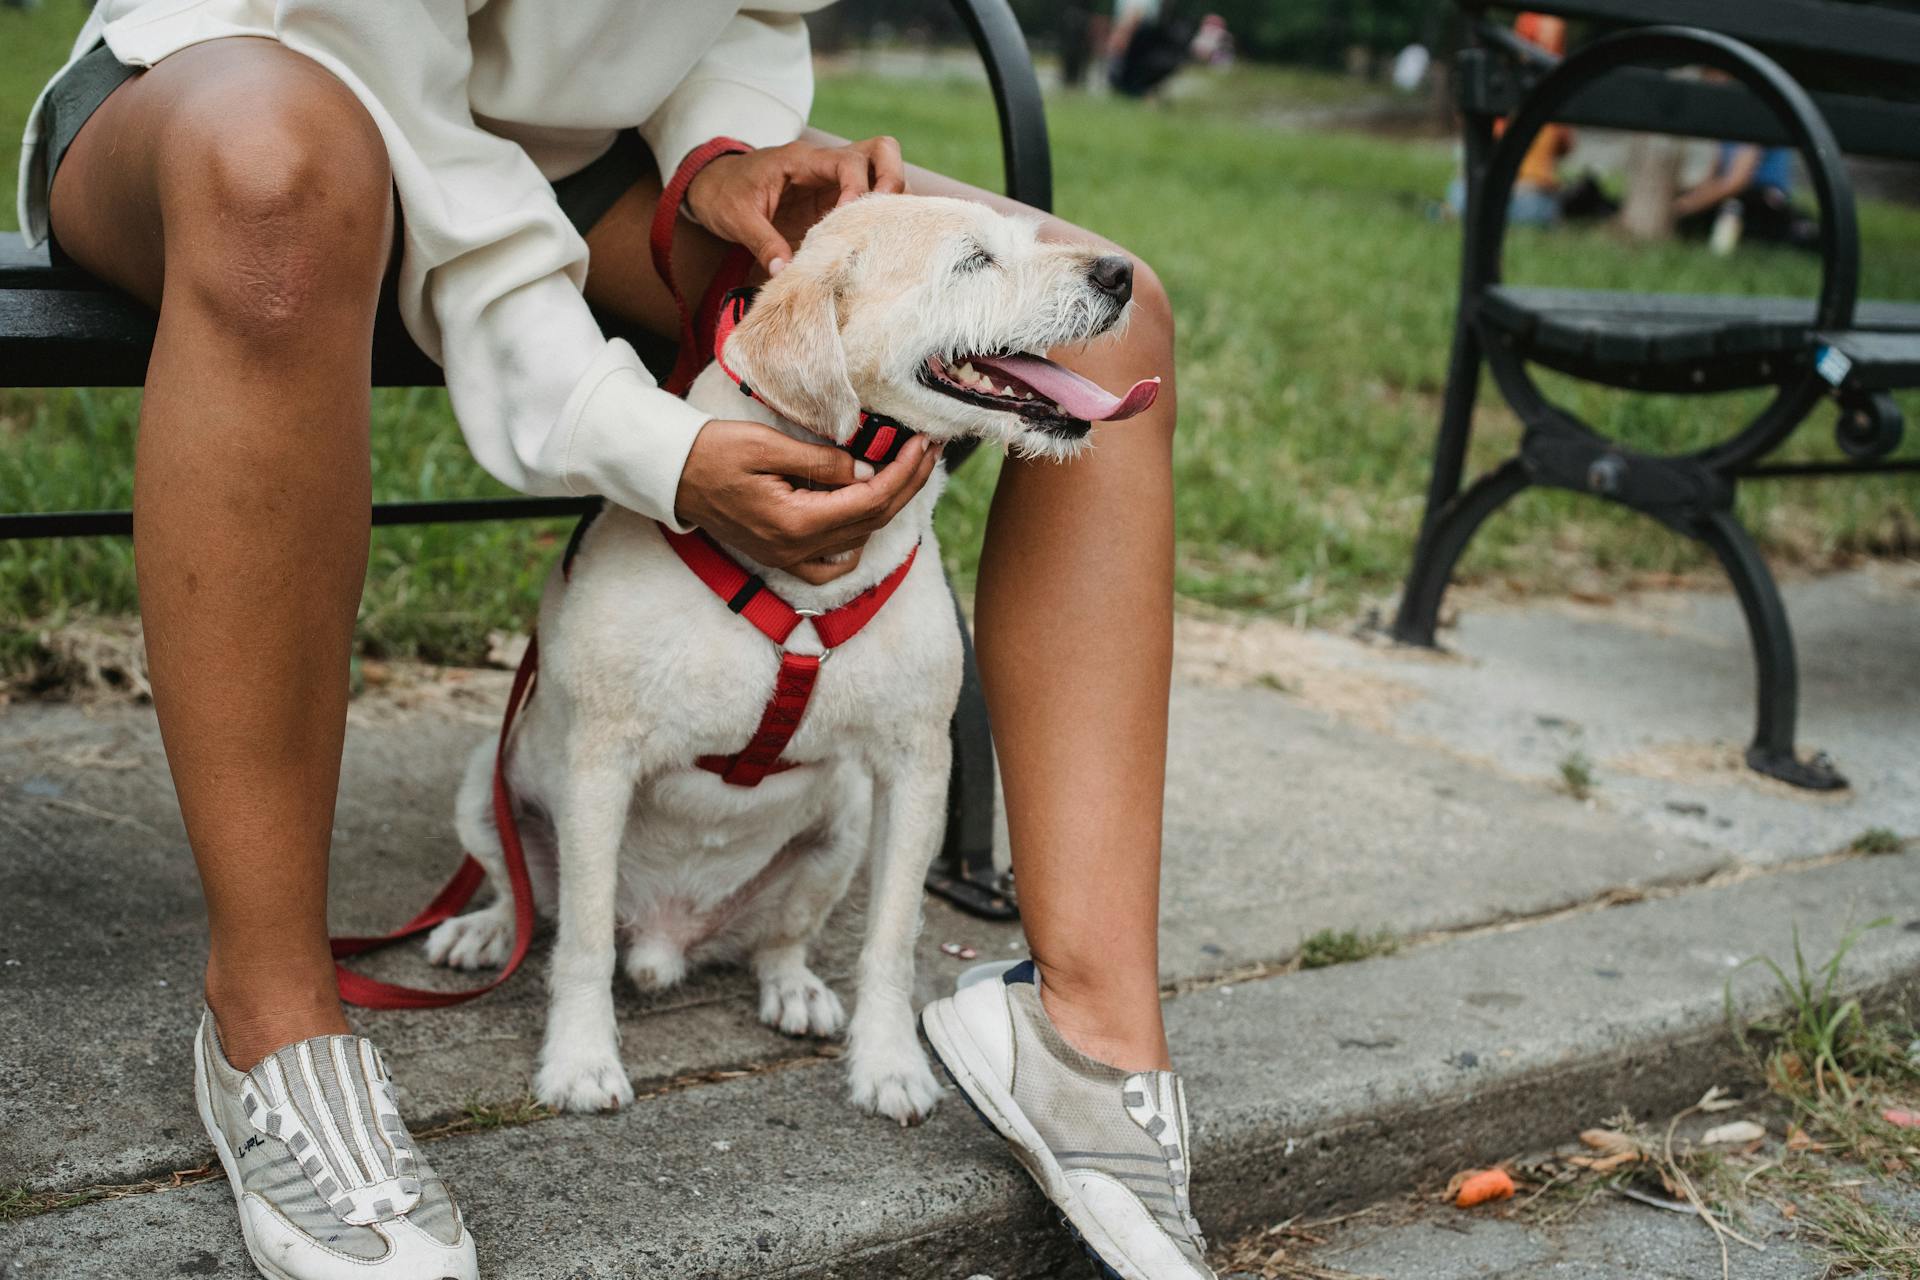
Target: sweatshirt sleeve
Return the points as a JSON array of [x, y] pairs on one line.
[[754, 84], [491, 271]]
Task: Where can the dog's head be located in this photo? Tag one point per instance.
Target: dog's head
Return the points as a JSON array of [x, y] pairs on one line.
[[937, 313]]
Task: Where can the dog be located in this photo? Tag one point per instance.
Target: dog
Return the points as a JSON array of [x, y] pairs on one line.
[[934, 313]]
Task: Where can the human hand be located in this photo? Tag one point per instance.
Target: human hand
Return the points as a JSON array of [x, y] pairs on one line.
[[790, 504], [760, 198]]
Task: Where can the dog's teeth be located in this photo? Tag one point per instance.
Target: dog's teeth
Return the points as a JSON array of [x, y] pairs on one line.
[[966, 372]]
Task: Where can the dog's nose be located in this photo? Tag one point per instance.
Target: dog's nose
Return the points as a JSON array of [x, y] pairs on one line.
[[1113, 276]]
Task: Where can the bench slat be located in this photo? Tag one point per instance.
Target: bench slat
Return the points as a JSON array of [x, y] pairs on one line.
[[94, 524], [1723, 309], [1689, 342], [1881, 361], [1867, 34], [1642, 100], [100, 338], [24, 268]]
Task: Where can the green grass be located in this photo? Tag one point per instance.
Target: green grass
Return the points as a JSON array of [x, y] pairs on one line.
[[1251, 89], [1576, 775], [1863, 1239], [1314, 301], [1828, 1072], [1825, 1043], [1877, 840], [1329, 947]]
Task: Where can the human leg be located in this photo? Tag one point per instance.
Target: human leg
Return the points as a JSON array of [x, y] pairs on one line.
[[241, 190]]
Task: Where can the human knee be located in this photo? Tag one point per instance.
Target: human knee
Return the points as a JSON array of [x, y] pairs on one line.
[[1152, 308], [1152, 314], [280, 215]]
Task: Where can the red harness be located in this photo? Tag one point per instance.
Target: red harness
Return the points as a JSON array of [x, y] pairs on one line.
[[774, 618], [878, 441]]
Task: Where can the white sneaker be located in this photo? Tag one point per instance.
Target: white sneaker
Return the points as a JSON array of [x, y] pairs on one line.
[[1108, 1147], [329, 1183]]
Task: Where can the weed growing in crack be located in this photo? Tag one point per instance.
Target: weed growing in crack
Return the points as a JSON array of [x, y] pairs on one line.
[[1824, 1041], [1576, 776], [1877, 840], [1327, 947]]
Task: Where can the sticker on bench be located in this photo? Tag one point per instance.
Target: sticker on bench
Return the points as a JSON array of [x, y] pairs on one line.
[[1832, 364]]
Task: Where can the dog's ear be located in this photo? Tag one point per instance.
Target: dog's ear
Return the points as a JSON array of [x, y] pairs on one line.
[[788, 347]]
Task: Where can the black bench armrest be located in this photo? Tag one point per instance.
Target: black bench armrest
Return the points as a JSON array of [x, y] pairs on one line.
[[1016, 97]]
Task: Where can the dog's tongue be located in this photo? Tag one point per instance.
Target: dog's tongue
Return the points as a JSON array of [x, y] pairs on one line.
[[1073, 393]]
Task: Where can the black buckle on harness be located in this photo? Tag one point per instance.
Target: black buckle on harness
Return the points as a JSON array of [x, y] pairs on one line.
[[748, 590]]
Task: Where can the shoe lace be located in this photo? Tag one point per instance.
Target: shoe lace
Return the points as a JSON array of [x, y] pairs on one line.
[[1177, 1179], [1167, 1126]]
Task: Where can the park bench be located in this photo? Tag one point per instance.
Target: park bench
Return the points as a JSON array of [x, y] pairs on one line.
[[61, 328], [1833, 349]]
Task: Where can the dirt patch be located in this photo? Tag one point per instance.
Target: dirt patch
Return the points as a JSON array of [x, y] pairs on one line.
[[391, 690], [87, 660], [1312, 666]]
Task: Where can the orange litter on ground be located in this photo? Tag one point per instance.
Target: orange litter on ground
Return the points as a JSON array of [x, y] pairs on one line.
[[1478, 1186]]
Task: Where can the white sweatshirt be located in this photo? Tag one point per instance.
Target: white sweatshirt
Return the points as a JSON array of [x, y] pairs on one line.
[[481, 103]]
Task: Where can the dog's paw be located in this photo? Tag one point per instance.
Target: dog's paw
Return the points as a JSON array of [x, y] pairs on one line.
[[801, 1005], [583, 1082], [653, 965], [903, 1091], [478, 940]]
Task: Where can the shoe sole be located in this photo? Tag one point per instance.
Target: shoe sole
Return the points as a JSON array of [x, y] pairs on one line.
[[203, 1100], [967, 1067]]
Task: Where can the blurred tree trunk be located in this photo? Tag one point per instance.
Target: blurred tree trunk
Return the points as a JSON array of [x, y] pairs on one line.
[[1653, 180]]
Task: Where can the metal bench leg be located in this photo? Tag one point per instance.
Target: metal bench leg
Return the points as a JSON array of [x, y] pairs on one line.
[[1427, 580], [1775, 668], [964, 873], [1448, 531]]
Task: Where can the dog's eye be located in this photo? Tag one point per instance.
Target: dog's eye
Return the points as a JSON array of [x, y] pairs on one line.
[[978, 260]]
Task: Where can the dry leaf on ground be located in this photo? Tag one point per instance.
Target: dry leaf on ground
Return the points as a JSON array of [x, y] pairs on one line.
[[1732, 1135]]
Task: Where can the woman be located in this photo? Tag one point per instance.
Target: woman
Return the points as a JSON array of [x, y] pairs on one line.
[[235, 164]]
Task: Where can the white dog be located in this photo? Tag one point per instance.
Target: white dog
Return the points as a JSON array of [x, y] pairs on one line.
[[934, 313]]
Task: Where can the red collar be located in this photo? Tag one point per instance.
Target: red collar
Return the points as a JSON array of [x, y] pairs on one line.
[[879, 438], [750, 597]]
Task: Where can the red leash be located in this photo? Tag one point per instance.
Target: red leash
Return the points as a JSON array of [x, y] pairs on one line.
[[370, 993], [695, 354]]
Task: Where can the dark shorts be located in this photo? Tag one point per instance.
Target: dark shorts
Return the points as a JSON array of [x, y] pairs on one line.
[[73, 98]]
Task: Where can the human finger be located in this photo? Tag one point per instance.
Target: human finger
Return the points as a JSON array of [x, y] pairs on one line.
[[889, 170], [864, 504]]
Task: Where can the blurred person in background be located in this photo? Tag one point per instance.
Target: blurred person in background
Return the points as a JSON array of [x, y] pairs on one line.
[[1539, 198], [1748, 195]]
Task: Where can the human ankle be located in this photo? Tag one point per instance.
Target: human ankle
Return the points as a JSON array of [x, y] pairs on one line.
[[254, 1018], [1111, 1028]]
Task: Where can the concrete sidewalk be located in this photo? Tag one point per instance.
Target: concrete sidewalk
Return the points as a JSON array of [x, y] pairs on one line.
[[1316, 1092], [1280, 823], [1373, 789], [1607, 1240]]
